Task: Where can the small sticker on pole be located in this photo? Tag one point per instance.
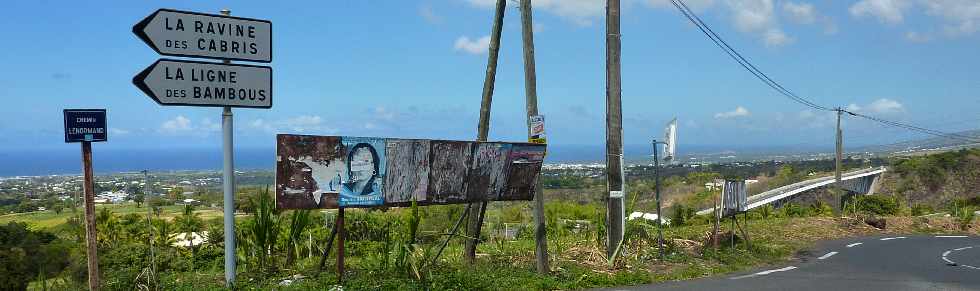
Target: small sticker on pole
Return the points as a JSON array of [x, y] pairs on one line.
[[536, 124]]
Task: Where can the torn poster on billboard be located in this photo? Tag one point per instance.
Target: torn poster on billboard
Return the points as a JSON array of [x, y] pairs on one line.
[[364, 177], [339, 171]]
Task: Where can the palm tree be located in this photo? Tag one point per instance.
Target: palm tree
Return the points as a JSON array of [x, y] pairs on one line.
[[107, 225], [189, 223], [162, 230]]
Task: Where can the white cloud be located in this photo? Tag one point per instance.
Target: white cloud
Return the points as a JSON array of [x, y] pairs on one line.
[[118, 131], [581, 12], [879, 106], [962, 16], [737, 112], [383, 114], [812, 119], [472, 46], [208, 125], [917, 36], [696, 5], [775, 37], [429, 15], [885, 105], [300, 124], [887, 11], [482, 3], [806, 14], [759, 17], [802, 13], [179, 124], [752, 15]]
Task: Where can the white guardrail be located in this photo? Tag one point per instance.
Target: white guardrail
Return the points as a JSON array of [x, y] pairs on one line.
[[796, 188]]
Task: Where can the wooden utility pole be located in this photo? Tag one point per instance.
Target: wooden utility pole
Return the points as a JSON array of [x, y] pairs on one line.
[[838, 157], [615, 212], [91, 241], [478, 209], [531, 92]]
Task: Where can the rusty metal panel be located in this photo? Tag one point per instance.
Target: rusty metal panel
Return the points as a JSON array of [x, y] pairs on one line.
[[408, 170], [308, 170], [488, 176], [450, 165], [525, 163]]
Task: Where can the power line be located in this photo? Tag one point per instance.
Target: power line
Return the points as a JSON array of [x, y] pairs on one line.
[[937, 133], [735, 55]]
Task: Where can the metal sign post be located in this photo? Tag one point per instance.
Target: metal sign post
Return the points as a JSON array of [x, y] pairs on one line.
[[87, 126], [193, 83]]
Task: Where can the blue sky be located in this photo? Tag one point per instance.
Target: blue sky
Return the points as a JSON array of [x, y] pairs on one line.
[[415, 69]]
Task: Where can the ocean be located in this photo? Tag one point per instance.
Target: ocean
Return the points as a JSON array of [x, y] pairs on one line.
[[29, 162]]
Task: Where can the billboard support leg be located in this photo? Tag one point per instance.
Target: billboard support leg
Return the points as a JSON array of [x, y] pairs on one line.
[[451, 234], [475, 224], [329, 245], [342, 234]]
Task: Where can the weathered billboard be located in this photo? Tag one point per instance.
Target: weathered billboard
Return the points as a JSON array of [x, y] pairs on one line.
[[339, 171]]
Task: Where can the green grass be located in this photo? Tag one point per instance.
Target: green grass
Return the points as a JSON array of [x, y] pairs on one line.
[[49, 219], [509, 265]]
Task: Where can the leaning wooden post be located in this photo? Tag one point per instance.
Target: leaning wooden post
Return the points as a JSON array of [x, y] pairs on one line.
[[531, 91], [91, 241], [478, 209], [341, 237]]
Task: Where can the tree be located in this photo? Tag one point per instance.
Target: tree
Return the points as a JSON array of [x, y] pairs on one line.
[[163, 233], [26, 254], [139, 197], [58, 207], [107, 225], [189, 222]]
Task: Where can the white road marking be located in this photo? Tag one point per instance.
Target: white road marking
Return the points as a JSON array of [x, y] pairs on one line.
[[891, 238], [854, 245], [830, 254], [952, 263], [764, 273], [951, 236]]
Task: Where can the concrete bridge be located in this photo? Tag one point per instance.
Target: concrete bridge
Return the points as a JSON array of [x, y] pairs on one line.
[[864, 181]]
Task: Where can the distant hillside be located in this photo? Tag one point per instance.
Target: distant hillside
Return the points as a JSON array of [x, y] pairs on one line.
[[923, 145]]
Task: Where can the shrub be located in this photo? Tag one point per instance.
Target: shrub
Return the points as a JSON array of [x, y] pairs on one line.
[[965, 217], [820, 208], [921, 209], [794, 210], [766, 211], [681, 215], [877, 204]]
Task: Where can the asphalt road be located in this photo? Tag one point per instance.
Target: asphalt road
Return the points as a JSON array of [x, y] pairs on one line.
[[870, 263]]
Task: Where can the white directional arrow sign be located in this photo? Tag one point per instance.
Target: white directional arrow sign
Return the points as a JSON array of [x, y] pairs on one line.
[[192, 83], [192, 34]]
